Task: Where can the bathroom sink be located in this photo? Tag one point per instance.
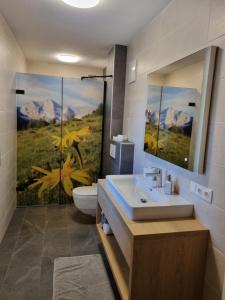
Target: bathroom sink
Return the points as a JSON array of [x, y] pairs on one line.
[[141, 202]]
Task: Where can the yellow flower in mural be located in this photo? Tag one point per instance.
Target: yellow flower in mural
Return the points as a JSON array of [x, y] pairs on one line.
[[58, 142], [53, 178], [69, 173], [75, 136], [71, 137], [47, 182], [152, 142]]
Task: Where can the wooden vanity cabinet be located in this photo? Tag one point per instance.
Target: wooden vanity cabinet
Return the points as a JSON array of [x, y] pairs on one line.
[[152, 260]]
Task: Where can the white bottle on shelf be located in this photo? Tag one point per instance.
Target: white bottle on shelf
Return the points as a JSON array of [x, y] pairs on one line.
[[168, 187]]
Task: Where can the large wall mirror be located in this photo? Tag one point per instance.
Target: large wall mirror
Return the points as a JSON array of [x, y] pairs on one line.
[[177, 112]]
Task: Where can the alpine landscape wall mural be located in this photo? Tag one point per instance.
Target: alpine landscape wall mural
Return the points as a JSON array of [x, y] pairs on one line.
[[59, 136]]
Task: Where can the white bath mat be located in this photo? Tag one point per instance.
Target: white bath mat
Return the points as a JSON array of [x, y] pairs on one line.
[[81, 278]]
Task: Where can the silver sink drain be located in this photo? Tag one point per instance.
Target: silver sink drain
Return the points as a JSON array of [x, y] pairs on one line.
[[143, 200]]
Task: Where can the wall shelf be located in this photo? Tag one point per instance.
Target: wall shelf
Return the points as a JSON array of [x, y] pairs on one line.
[[117, 262]]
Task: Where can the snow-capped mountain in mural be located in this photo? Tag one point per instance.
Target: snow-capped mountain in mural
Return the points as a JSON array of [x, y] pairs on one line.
[[47, 110]]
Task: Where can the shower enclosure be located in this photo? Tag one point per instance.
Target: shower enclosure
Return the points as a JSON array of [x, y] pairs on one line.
[[59, 137]]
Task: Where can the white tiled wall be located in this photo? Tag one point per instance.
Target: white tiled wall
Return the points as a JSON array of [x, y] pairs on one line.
[[184, 27], [11, 61], [59, 69]]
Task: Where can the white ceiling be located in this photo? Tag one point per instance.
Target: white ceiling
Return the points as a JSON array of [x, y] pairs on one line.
[[44, 28]]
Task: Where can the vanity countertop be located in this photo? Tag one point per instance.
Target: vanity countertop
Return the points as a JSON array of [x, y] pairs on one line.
[[154, 227]]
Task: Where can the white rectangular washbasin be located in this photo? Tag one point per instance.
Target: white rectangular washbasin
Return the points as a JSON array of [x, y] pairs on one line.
[[140, 202]]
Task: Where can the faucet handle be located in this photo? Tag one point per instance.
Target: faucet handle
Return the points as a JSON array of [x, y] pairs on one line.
[[151, 171], [158, 171]]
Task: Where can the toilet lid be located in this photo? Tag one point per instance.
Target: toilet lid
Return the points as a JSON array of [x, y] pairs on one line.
[[86, 190]]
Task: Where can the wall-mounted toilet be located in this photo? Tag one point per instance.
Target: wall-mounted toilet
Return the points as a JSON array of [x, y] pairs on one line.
[[85, 199], [122, 156]]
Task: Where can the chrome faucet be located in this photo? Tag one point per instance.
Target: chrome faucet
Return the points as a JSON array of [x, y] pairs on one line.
[[156, 173]]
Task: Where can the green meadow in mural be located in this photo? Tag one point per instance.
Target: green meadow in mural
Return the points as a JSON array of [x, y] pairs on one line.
[[58, 138]]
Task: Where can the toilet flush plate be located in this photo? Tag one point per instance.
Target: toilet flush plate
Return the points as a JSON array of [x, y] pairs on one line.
[[113, 151]]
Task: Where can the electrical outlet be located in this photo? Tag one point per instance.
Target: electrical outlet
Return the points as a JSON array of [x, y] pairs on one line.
[[203, 192]]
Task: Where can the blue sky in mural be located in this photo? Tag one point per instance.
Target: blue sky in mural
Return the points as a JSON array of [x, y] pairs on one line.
[[82, 95], [154, 97], [176, 97], [38, 88]]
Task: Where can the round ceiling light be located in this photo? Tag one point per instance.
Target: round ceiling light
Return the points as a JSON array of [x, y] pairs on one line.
[[82, 3], [68, 58]]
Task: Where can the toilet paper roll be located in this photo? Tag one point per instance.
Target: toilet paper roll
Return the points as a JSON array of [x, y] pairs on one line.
[[107, 229]]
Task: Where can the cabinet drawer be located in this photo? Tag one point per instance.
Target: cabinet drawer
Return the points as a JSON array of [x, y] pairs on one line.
[[119, 228]]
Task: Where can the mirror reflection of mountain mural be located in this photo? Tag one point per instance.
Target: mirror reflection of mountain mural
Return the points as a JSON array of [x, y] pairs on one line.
[[58, 138], [172, 119], [169, 123]]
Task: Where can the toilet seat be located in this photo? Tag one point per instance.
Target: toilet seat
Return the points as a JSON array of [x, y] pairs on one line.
[[86, 191]]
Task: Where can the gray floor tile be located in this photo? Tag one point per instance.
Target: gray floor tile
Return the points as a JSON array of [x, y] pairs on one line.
[[33, 229], [75, 216], [20, 294], [16, 222], [36, 218], [80, 229], [56, 217], [56, 248], [46, 279], [84, 243], [22, 278], [56, 233], [29, 257], [56, 224], [8, 294], [36, 210], [3, 270], [36, 236], [7, 247], [56, 243], [23, 273], [54, 211]]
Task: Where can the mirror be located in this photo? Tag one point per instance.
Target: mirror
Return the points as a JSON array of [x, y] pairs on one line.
[[177, 112]]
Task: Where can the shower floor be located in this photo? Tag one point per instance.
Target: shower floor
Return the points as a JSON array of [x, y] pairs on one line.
[[35, 237]]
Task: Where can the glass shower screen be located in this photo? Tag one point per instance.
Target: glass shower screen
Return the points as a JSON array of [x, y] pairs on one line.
[[59, 137]]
